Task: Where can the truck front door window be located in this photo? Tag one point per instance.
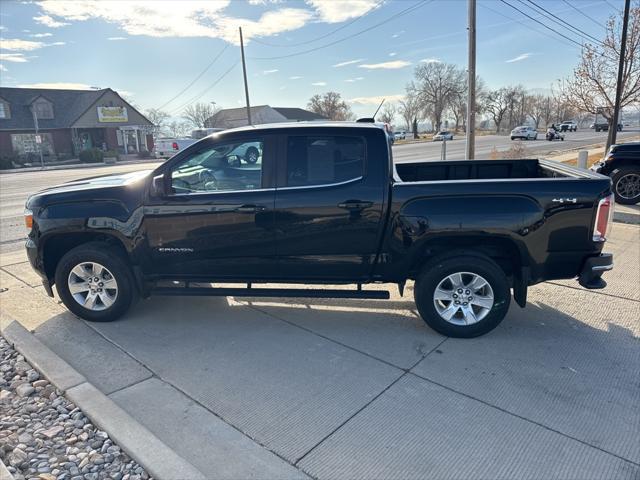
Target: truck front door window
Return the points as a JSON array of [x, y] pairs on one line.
[[227, 167], [322, 160]]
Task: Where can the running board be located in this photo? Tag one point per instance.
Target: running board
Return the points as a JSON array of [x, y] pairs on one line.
[[271, 292]]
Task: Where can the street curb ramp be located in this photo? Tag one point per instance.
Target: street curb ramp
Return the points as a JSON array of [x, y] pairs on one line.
[[157, 458]]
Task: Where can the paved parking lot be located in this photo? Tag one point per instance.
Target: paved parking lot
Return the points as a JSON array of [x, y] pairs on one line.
[[289, 388]]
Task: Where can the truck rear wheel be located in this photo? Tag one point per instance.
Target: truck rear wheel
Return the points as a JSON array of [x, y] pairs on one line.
[[462, 296], [95, 283], [626, 185]]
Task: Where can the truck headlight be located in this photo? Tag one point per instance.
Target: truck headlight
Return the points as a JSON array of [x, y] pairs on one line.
[[28, 218]]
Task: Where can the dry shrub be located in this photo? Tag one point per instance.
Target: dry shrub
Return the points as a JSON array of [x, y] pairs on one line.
[[516, 151]]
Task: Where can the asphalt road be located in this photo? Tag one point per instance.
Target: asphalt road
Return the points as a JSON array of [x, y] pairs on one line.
[[16, 187], [486, 143]]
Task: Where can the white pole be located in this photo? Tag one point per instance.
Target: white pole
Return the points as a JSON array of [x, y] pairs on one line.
[[583, 156]]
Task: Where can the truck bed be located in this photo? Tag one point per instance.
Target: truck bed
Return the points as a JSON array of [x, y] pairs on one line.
[[484, 170]]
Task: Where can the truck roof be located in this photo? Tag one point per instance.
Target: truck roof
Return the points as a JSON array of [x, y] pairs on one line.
[[311, 124]]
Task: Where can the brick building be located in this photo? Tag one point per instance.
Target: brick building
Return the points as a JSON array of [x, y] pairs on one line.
[[69, 121]]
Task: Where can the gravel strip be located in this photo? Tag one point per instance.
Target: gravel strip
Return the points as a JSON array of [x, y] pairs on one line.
[[44, 436]]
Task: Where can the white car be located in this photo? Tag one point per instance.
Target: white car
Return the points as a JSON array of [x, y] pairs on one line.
[[525, 133], [400, 135], [443, 135], [168, 147]]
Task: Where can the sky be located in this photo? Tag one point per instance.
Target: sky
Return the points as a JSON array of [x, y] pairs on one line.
[[165, 54]]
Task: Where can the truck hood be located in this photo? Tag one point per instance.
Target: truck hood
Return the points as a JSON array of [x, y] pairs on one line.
[[88, 188]]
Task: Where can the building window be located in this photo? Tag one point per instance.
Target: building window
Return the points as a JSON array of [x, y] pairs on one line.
[[25, 144], [43, 109], [4, 110]]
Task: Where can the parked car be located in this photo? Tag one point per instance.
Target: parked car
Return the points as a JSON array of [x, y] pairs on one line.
[[553, 134], [622, 164], [168, 147], [568, 126], [604, 127], [524, 133], [443, 135], [400, 135], [324, 205]]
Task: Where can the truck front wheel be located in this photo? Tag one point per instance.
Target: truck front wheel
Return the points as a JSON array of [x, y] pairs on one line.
[[95, 283], [462, 296]]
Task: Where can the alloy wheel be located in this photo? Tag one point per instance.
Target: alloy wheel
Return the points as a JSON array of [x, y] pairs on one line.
[[92, 286], [463, 298]]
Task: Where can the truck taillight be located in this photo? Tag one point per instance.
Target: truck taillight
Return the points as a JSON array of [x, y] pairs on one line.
[[174, 145], [604, 217]]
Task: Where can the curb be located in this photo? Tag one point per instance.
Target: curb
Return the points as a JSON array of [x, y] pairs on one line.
[[4, 473], [157, 458]]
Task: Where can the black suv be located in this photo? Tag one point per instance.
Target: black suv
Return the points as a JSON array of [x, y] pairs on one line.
[[622, 164]]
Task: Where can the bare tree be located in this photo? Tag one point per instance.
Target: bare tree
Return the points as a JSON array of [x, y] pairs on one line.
[[410, 110], [593, 84], [198, 113], [330, 105], [388, 113], [178, 129], [158, 118], [436, 84], [497, 104], [459, 102], [538, 106]]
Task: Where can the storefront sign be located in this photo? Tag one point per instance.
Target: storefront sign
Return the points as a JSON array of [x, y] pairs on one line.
[[112, 114]]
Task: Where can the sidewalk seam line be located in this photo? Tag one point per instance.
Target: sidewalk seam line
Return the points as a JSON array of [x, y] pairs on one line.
[[16, 277], [195, 400], [528, 420], [404, 373]]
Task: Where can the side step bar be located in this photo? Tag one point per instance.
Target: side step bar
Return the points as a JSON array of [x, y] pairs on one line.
[[271, 292]]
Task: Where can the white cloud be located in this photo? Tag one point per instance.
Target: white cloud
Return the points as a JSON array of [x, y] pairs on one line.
[[348, 62], [334, 11], [397, 34], [115, 39], [177, 19], [375, 100], [385, 65], [263, 2], [319, 84], [55, 44], [519, 58], [353, 80], [41, 35], [392, 54], [3, 68], [58, 85], [295, 77], [268, 72], [430, 60], [17, 44], [13, 57], [50, 22]]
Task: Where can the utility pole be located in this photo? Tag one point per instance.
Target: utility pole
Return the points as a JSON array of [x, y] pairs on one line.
[[471, 82], [39, 144], [613, 128], [244, 73]]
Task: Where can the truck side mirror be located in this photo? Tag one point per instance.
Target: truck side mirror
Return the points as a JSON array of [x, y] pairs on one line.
[[158, 186]]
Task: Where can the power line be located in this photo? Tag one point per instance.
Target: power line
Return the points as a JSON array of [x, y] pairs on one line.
[[313, 40], [612, 6], [582, 13], [195, 79], [402, 12], [542, 23], [203, 92], [558, 21], [541, 32]]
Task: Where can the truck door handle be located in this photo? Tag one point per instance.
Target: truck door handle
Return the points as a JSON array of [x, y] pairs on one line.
[[354, 205], [251, 208]]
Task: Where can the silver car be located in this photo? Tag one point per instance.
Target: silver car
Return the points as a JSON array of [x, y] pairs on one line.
[[524, 133], [443, 135]]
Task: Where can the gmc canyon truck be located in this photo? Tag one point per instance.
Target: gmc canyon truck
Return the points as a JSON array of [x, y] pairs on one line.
[[323, 204]]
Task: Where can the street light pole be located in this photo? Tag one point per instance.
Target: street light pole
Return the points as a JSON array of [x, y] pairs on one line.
[[613, 129], [471, 82], [39, 144], [244, 73]]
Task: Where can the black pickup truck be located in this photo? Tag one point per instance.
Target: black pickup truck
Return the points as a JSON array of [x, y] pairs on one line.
[[323, 203]]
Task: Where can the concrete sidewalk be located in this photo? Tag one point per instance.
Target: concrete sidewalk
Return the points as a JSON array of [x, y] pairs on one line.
[[289, 388]]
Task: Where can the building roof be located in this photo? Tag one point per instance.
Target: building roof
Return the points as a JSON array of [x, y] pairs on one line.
[[68, 106], [298, 114]]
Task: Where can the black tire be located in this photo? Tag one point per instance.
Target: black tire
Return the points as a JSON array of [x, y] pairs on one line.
[[437, 270], [110, 258], [251, 155], [513, 138], [623, 173]]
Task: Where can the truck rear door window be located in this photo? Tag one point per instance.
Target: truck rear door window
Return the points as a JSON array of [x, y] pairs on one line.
[[322, 160]]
